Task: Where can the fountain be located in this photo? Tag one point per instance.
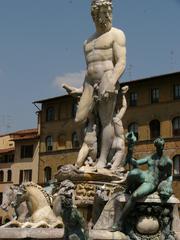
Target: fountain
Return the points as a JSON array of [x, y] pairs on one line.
[[105, 195]]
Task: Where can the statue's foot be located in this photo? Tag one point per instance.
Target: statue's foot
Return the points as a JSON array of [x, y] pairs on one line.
[[115, 228], [100, 164]]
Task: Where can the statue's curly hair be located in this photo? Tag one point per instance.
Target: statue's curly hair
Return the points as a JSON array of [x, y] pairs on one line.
[[159, 141], [97, 3]]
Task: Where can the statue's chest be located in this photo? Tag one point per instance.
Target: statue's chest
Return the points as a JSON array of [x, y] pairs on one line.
[[153, 164], [103, 42]]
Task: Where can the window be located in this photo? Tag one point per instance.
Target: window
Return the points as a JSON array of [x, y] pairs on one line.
[[176, 165], [154, 129], [62, 141], [155, 95], [133, 99], [176, 126], [75, 140], [26, 151], [49, 143], [177, 91], [25, 176], [9, 175], [133, 127], [47, 174], [65, 110], [1, 176], [7, 158], [50, 114], [1, 198]]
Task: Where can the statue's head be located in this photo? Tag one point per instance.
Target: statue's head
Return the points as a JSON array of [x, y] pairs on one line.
[[101, 12], [20, 196], [159, 143], [9, 197], [131, 138]]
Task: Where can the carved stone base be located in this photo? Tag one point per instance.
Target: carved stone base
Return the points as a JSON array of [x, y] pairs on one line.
[[52, 234], [150, 219], [92, 189], [87, 183]]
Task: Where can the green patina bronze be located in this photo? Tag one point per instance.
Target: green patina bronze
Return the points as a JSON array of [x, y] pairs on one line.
[[75, 227], [157, 177]]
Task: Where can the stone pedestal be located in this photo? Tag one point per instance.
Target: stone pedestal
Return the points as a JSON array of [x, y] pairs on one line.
[[150, 219], [53, 234], [87, 184]]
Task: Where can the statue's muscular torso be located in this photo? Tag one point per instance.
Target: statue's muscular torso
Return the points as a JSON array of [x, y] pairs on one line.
[[99, 54]]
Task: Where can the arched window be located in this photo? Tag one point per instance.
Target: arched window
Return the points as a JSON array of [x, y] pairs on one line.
[[176, 126], [47, 174], [1, 176], [50, 114], [176, 165], [9, 175], [154, 128], [49, 143], [133, 127], [75, 140]]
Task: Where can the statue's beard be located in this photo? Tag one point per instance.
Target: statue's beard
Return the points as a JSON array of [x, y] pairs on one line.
[[104, 23]]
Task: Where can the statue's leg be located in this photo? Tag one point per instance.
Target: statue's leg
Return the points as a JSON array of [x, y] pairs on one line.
[[106, 110], [83, 153], [86, 103], [142, 191], [119, 155], [134, 179]]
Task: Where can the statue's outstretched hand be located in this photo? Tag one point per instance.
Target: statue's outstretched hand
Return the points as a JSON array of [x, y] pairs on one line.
[[124, 89], [75, 92]]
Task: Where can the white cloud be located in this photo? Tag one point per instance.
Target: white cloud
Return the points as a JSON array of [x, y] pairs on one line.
[[73, 79]]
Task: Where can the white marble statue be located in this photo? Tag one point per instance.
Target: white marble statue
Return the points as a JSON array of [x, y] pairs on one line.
[[119, 137], [105, 54]]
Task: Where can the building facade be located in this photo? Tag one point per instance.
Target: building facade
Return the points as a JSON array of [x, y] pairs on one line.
[[26, 156], [60, 136]]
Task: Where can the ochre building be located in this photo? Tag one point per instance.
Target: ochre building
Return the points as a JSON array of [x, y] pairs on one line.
[[60, 136]]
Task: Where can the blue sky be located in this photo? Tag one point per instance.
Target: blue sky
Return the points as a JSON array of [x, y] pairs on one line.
[[41, 46]]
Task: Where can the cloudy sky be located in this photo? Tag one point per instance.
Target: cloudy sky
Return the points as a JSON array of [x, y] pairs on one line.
[[41, 47]]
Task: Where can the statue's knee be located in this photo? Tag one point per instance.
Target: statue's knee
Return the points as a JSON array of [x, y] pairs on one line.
[[134, 196], [79, 119]]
